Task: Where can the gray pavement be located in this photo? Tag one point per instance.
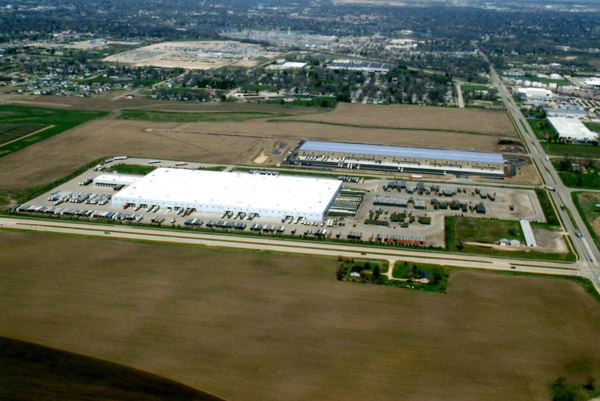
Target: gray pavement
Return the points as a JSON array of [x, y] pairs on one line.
[[586, 249]]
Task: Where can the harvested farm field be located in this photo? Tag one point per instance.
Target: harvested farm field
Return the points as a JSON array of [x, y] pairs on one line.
[[383, 136], [116, 101], [210, 142], [490, 122], [32, 372], [262, 326], [60, 155]]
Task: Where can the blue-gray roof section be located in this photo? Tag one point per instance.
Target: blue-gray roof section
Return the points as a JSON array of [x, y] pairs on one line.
[[403, 151]]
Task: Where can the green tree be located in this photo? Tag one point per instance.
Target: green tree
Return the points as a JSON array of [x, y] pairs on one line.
[[376, 273], [564, 391], [590, 384], [436, 275], [340, 273]]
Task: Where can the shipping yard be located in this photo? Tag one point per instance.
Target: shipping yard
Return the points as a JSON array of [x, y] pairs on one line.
[[185, 195]]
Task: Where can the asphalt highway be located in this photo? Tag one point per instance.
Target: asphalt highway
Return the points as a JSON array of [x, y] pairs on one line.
[[589, 255], [268, 243]]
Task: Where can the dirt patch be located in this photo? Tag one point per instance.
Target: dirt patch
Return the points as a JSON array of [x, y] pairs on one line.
[[549, 241], [254, 326], [261, 158]]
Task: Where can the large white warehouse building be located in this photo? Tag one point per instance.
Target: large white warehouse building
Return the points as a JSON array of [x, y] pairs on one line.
[[217, 192], [572, 129]]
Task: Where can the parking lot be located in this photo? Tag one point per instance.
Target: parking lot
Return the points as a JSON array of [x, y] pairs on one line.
[[395, 212]]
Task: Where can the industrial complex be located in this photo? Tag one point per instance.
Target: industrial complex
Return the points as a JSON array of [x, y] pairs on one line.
[[572, 129], [219, 192], [395, 212], [397, 158]]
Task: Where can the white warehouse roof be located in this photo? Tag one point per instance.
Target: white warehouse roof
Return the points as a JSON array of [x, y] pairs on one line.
[[572, 129], [116, 179], [535, 93], [528, 233], [216, 192]]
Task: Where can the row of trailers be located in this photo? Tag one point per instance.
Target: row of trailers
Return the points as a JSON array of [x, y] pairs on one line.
[[80, 213], [231, 225], [394, 239]]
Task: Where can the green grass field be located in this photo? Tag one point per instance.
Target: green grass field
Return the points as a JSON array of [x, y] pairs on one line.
[[571, 150], [191, 117], [10, 132], [135, 169], [580, 180], [470, 229], [32, 372], [593, 126], [547, 208], [541, 128], [487, 230], [61, 120], [586, 202], [264, 326]]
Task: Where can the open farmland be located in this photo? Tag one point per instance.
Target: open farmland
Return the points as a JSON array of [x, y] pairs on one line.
[[33, 372], [209, 142], [256, 326], [11, 132], [77, 147], [409, 117], [35, 119], [188, 116]]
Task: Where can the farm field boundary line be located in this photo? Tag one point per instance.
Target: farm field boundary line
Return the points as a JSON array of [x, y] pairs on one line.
[[28, 135], [291, 138], [293, 120], [257, 239], [288, 138], [53, 370], [280, 245]]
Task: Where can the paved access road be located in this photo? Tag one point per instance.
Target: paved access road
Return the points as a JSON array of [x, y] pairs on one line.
[[587, 250], [288, 245]]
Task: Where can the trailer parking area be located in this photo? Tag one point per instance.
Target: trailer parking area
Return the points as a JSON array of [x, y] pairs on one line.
[[378, 211]]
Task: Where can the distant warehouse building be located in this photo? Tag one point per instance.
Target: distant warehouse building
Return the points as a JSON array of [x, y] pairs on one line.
[[572, 129], [397, 158], [350, 65], [115, 180], [567, 112], [218, 192], [534, 95]]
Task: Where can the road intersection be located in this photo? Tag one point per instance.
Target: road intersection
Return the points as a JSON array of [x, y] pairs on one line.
[[588, 253]]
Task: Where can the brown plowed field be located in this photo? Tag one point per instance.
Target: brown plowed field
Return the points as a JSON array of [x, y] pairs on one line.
[[58, 156], [253, 326], [490, 122], [54, 158]]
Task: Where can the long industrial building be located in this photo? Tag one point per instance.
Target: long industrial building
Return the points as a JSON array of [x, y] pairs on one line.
[[219, 192], [397, 158], [572, 130]]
